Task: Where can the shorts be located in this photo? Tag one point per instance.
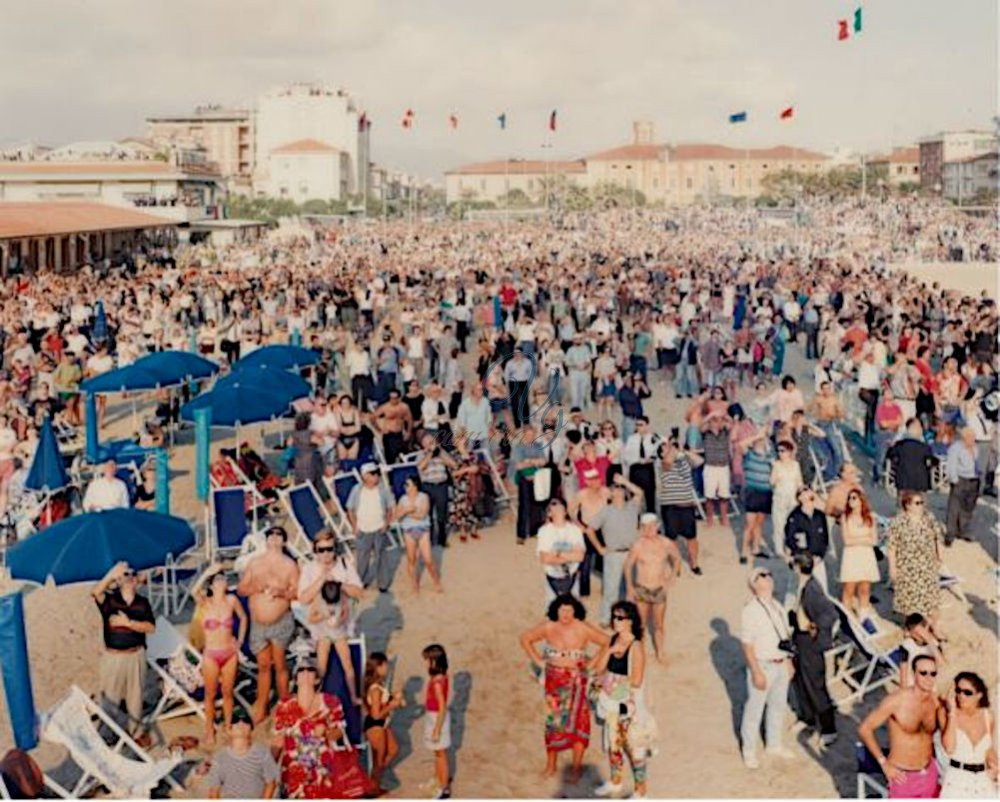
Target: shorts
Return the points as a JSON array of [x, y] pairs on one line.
[[646, 595], [444, 742], [671, 356], [679, 521], [716, 479], [279, 633], [757, 501], [417, 533], [498, 404], [921, 784]]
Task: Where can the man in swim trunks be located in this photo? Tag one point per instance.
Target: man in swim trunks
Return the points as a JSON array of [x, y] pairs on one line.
[[395, 424], [271, 582], [650, 557], [913, 715]]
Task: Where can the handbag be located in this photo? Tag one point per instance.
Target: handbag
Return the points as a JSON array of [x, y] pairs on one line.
[[542, 484], [347, 779]]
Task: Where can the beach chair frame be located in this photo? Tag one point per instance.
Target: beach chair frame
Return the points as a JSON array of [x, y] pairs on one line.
[[303, 540], [858, 655], [91, 775], [175, 700]]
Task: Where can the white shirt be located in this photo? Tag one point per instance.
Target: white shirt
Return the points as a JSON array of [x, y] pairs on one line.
[[430, 412], [341, 571], [649, 442], [370, 515], [358, 363], [554, 539], [868, 376], [757, 629], [105, 494]]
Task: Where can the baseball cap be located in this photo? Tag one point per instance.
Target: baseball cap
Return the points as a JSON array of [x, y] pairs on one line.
[[369, 467], [649, 518]]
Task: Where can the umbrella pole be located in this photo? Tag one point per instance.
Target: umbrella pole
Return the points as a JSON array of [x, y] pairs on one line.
[[135, 417]]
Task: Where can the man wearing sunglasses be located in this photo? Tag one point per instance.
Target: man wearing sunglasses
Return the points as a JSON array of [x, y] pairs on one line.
[[913, 716]]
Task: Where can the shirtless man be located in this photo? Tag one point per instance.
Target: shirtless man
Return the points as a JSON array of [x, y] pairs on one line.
[[913, 715], [584, 508], [270, 581], [829, 413], [395, 423], [650, 556]]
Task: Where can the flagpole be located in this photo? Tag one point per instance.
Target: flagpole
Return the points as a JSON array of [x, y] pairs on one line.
[[506, 189]]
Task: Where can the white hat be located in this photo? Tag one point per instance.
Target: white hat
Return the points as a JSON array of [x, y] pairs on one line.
[[369, 467], [649, 518]]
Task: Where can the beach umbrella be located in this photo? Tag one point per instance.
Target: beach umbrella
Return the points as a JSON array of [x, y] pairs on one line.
[[83, 548], [250, 396], [280, 357], [122, 380], [48, 470], [176, 367], [99, 333]]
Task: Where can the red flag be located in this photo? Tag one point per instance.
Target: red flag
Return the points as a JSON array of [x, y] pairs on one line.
[[409, 113], [453, 121], [552, 120], [842, 32], [786, 114], [408, 119], [363, 121]]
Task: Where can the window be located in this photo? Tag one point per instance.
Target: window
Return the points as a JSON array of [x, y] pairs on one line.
[[688, 183], [531, 184], [482, 184], [732, 182]]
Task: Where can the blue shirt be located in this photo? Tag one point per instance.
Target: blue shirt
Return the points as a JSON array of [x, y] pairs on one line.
[[961, 462]]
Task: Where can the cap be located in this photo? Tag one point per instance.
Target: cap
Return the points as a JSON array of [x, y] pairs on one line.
[[369, 467], [649, 518], [756, 574], [305, 664]]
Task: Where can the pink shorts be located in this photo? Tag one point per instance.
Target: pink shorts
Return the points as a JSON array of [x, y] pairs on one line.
[[921, 784]]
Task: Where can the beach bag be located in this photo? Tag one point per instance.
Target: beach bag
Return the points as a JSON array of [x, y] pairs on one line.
[[348, 780], [542, 484], [21, 775], [186, 673]]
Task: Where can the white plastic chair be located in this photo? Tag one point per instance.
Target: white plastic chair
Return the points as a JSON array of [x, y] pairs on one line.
[[859, 663]]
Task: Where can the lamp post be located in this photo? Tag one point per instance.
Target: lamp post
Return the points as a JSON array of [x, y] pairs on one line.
[[547, 147]]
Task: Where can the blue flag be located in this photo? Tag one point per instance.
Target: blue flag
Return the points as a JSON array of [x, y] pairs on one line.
[[502, 119], [739, 117]]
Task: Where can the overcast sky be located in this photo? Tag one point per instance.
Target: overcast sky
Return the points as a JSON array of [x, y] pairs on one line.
[[95, 69]]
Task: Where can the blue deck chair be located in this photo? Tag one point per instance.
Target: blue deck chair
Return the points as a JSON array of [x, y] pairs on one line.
[[306, 510], [871, 781], [336, 683], [396, 476], [229, 521]]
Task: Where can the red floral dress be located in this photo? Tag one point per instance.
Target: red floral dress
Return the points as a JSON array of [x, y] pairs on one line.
[[307, 761]]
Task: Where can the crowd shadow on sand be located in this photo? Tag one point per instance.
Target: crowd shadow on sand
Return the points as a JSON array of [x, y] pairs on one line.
[[726, 654], [839, 759], [461, 693], [590, 778], [379, 622]]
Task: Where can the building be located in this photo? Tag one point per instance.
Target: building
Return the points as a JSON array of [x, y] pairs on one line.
[[300, 112], [180, 192], [62, 235], [901, 166], [227, 136], [964, 179], [306, 170], [950, 146], [491, 181]]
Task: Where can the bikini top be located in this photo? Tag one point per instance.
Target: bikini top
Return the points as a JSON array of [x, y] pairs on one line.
[[217, 623], [565, 654]]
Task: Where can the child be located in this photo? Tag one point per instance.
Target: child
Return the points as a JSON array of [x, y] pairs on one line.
[[437, 725], [379, 704]]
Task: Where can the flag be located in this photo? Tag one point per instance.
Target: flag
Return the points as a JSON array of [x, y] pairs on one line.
[[857, 20], [502, 119], [552, 120], [408, 119], [363, 121], [842, 32], [453, 120], [739, 117], [786, 114]]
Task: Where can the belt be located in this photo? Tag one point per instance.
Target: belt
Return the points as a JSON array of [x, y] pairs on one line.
[[436, 484], [975, 768]]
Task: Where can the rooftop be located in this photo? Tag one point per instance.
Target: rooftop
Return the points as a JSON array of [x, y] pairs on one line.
[[28, 170], [696, 151], [51, 218], [909, 155], [203, 114], [520, 167], [305, 146]]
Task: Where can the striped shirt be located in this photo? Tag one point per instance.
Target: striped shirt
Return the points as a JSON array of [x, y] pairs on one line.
[[757, 470], [716, 447], [242, 776], [434, 472], [674, 487]]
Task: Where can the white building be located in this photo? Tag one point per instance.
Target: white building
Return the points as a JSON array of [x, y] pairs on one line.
[[950, 146], [491, 181], [968, 177], [306, 170], [300, 112]]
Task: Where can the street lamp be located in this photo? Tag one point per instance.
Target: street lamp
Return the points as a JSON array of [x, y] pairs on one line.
[[881, 190]]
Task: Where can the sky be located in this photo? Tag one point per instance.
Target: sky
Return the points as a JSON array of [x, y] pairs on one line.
[[73, 70]]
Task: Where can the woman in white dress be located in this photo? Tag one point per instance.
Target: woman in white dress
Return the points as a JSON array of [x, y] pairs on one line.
[[969, 738], [786, 479], [858, 566]]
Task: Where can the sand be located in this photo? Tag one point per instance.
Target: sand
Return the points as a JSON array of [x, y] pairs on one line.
[[493, 592]]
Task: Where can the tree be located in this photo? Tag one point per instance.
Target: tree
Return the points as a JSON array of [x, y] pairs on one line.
[[515, 198], [607, 195]]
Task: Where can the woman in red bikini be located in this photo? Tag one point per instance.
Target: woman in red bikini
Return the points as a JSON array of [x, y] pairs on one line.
[[217, 608]]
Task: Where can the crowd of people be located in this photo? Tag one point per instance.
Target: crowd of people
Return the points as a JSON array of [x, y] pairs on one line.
[[520, 363]]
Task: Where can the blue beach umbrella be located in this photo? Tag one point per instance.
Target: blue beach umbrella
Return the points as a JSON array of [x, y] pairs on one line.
[[280, 357], [48, 470], [269, 378], [238, 400], [85, 547], [122, 380], [176, 367]]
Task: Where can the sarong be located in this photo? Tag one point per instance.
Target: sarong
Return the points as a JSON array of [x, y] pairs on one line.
[[567, 720], [921, 784]]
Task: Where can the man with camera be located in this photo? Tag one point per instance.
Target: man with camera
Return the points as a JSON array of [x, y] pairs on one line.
[[768, 650]]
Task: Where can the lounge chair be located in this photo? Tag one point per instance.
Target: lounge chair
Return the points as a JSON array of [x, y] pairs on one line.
[[122, 766], [227, 526], [306, 510], [871, 781], [859, 662]]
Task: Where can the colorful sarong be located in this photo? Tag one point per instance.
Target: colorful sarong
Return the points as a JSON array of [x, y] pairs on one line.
[[567, 721]]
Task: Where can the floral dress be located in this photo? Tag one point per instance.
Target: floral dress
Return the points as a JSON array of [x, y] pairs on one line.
[[914, 545], [307, 762], [463, 513]]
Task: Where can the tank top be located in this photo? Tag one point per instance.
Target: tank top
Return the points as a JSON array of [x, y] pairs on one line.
[[619, 665], [969, 753], [431, 704]]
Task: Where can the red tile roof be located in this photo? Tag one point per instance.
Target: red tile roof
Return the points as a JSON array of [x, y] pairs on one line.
[[305, 146], [520, 167], [50, 218], [697, 151], [629, 153], [898, 156]]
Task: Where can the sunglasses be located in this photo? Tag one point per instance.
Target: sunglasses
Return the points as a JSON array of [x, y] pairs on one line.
[[128, 574], [927, 673], [763, 574], [619, 618], [966, 691], [326, 549], [917, 503]]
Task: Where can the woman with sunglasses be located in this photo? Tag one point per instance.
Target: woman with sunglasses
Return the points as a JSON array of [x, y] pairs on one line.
[[914, 554], [620, 668], [969, 738], [858, 566]]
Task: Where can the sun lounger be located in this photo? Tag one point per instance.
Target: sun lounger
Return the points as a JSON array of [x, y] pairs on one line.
[[859, 662]]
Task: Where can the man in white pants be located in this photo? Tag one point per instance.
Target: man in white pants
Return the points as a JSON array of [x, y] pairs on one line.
[[763, 631]]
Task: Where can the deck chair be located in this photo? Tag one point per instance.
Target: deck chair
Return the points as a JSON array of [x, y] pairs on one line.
[[177, 697], [335, 683], [859, 663], [339, 486], [499, 487], [306, 510], [871, 781], [228, 526], [74, 723]]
